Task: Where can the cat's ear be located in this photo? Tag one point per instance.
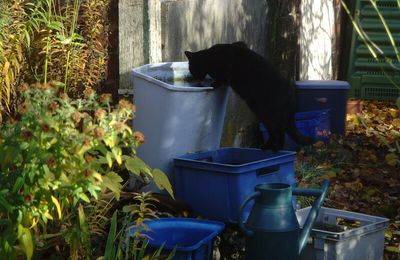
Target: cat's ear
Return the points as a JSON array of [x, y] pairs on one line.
[[189, 54]]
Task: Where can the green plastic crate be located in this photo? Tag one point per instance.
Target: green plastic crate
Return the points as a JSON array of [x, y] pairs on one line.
[[364, 73]]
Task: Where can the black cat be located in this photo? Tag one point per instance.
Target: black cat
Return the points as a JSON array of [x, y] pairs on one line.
[[267, 93]]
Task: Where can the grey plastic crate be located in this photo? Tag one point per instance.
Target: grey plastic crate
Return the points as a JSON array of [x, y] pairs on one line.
[[365, 242]]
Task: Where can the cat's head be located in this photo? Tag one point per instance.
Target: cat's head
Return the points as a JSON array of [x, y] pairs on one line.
[[197, 64]]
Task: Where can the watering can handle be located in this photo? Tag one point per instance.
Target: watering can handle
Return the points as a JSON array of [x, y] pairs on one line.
[[320, 194], [240, 219]]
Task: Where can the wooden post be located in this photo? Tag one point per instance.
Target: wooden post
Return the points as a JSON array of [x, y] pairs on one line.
[[131, 41], [155, 31], [283, 35], [337, 39], [140, 37]]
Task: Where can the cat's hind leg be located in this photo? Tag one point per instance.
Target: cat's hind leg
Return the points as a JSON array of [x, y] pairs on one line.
[[276, 136]]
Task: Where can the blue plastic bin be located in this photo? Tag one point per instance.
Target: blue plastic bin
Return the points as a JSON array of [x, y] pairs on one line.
[[315, 124], [215, 183], [314, 95], [191, 237]]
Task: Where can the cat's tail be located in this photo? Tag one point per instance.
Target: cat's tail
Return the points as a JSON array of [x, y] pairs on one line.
[[293, 133]]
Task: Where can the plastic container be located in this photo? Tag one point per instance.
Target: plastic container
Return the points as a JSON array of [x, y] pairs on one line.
[[315, 124], [314, 95], [191, 237], [363, 242], [215, 183], [176, 117]]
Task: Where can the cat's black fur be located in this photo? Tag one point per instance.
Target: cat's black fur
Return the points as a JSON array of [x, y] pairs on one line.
[[267, 93]]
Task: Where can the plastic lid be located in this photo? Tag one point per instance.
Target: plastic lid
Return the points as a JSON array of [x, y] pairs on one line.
[[322, 84]]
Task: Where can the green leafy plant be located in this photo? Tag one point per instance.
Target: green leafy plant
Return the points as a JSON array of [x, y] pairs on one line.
[[125, 245], [56, 161], [71, 41], [93, 23], [52, 39], [56, 42], [15, 38], [309, 176], [123, 250]]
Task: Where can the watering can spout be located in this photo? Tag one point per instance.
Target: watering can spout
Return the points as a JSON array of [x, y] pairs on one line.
[[308, 224]]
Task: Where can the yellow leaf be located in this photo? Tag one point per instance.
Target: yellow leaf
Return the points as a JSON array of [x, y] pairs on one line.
[[57, 204], [7, 81], [136, 165], [110, 141], [388, 234], [5, 68], [48, 216], [26, 241], [162, 181], [330, 174], [394, 249], [19, 51], [117, 154], [381, 128], [392, 159], [396, 122], [97, 176], [109, 159], [358, 186], [34, 222]]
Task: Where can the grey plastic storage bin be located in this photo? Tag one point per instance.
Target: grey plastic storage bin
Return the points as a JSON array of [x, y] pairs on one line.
[[324, 94], [365, 242], [176, 117]]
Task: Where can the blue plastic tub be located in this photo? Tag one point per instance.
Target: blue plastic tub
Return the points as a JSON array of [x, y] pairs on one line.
[[191, 237], [314, 95], [315, 124], [215, 183]]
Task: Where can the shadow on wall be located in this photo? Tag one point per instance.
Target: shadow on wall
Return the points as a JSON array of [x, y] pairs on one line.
[[196, 25], [316, 39]]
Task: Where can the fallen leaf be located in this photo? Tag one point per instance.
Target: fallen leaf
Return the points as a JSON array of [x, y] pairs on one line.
[[396, 122], [392, 159], [330, 174], [368, 193], [319, 144], [393, 249]]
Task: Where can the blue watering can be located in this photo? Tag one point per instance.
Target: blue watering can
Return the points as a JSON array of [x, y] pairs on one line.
[[272, 229]]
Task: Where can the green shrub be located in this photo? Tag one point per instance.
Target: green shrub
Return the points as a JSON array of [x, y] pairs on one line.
[[41, 40], [56, 161]]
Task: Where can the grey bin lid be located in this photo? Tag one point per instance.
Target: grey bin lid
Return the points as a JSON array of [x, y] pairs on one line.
[[322, 84]]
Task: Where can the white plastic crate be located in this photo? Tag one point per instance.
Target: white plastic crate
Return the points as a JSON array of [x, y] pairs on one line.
[[176, 117], [365, 242]]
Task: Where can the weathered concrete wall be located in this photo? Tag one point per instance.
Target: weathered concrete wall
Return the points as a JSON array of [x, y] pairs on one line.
[[198, 24]]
